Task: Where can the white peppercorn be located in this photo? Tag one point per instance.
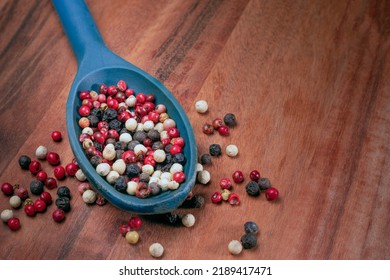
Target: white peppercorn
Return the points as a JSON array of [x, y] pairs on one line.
[[157, 173], [159, 127], [199, 167], [80, 176], [103, 169], [112, 176], [6, 215], [235, 247], [130, 101], [188, 220], [119, 166], [176, 167], [41, 152], [168, 123], [87, 130], [173, 185], [140, 127], [164, 134], [131, 187], [231, 150], [166, 175], [148, 169], [164, 184], [89, 196], [131, 124], [15, 201], [148, 125], [156, 250], [140, 149], [203, 177], [153, 180], [159, 155], [109, 152], [125, 137], [201, 106]]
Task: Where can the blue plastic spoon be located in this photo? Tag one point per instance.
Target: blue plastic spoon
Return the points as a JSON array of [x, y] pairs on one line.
[[97, 65]]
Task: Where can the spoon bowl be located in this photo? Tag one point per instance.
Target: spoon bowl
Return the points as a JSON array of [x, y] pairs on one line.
[[99, 65]]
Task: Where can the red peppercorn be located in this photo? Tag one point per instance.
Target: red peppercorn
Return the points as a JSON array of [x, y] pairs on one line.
[[234, 199], [56, 136], [53, 158], [216, 197], [71, 169], [148, 142], [238, 176], [141, 98], [255, 175], [148, 106], [112, 103], [154, 116], [223, 130], [272, 193], [179, 177], [124, 116], [58, 215], [225, 183], [59, 172], [46, 197], [122, 86], [149, 97], [217, 123], [88, 103], [112, 90], [84, 111], [135, 222], [150, 160], [112, 133], [123, 229], [129, 157], [129, 92], [51, 183], [103, 89], [7, 188], [173, 132], [39, 205], [34, 167], [165, 141], [208, 129], [175, 149], [22, 193], [84, 95], [13, 224], [29, 209], [178, 141], [41, 176]]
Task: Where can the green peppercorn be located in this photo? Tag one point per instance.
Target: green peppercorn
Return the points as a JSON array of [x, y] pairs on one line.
[[63, 203], [264, 184], [24, 162], [252, 188], [230, 120], [63, 191], [215, 150], [36, 187], [205, 159]]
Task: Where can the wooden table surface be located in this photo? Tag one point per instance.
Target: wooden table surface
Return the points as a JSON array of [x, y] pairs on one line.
[[308, 82]]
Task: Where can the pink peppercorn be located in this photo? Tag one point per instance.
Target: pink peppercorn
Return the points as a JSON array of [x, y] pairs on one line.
[[56, 136], [234, 199], [223, 130], [225, 183], [135, 222], [84, 111], [59, 172], [238, 176], [254, 175], [216, 197], [272, 194]]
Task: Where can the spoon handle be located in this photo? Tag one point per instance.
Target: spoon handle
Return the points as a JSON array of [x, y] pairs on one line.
[[79, 26]]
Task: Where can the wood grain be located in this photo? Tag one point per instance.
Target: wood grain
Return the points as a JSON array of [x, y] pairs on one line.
[[307, 80]]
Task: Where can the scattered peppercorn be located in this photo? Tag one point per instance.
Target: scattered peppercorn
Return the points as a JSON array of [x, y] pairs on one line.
[[215, 150], [234, 199], [156, 250], [63, 203], [196, 201], [232, 150], [13, 224], [272, 193], [58, 215], [36, 187], [264, 184], [15, 201], [254, 175], [248, 241], [216, 197], [235, 247], [230, 120], [205, 159], [251, 227], [132, 237], [208, 129], [6, 215], [24, 162], [63, 191], [238, 176], [188, 220], [201, 106], [56, 136], [7, 188], [252, 188]]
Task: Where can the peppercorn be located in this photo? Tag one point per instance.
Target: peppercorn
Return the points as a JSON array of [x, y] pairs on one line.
[[169, 218], [196, 201], [100, 200], [254, 175], [132, 170], [179, 158], [39, 205], [53, 158], [144, 177], [215, 150], [218, 122], [272, 194], [252, 188], [6, 215], [46, 197], [205, 159], [13, 224], [156, 250], [216, 197], [36, 187], [56, 136], [41, 152], [132, 237], [64, 191], [225, 194], [238, 176], [109, 114], [264, 184], [120, 184], [58, 215], [89, 196], [21, 192], [235, 247], [234, 199], [248, 241], [63, 203], [115, 124], [188, 220], [131, 145], [15, 201], [7, 188], [223, 130], [154, 135], [208, 129], [24, 162], [232, 150], [201, 106], [230, 120], [139, 136], [203, 177], [251, 227]]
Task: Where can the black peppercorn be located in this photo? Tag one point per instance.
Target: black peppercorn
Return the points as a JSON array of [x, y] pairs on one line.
[[119, 154], [154, 135], [93, 120], [115, 124], [197, 201], [248, 241], [251, 227], [154, 188], [109, 114], [166, 167], [168, 148], [96, 160], [264, 184], [158, 145], [230, 120], [168, 218], [139, 136], [252, 188], [132, 144], [98, 146], [97, 112], [205, 159], [120, 145], [110, 141], [144, 177], [120, 184], [179, 158], [132, 170], [24, 162], [63, 203], [36, 187], [215, 150], [63, 191]]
